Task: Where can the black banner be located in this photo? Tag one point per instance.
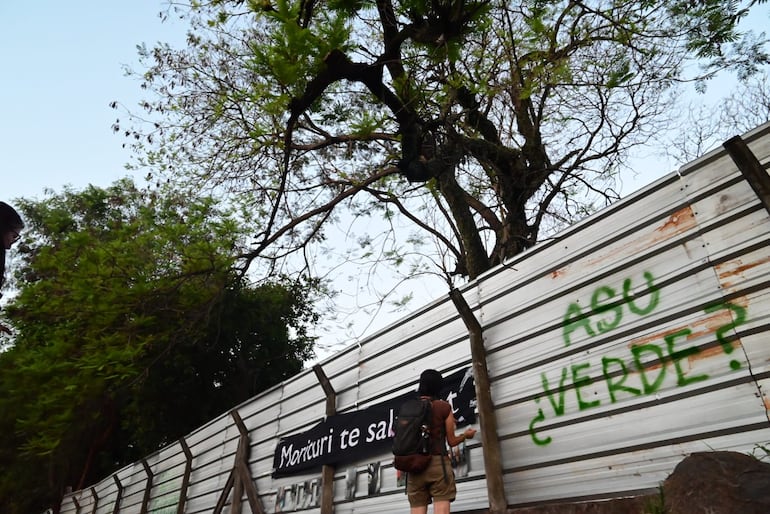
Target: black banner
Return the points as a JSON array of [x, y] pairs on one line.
[[355, 436]]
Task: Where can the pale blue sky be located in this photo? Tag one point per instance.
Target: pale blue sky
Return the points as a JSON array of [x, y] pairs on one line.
[[61, 67]]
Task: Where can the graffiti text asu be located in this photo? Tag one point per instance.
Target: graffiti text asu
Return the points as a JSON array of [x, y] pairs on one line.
[[607, 308]]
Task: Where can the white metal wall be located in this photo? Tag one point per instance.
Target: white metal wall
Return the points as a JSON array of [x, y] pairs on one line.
[[634, 338]]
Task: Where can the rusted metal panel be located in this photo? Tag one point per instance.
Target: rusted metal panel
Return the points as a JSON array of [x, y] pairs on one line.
[[637, 472]]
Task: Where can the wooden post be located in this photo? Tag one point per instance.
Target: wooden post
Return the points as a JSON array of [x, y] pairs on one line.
[[186, 477], [225, 492], [119, 496], [242, 467], [327, 471], [752, 170], [77, 505], [490, 445], [240, 478], [96, 500], [147, 488]]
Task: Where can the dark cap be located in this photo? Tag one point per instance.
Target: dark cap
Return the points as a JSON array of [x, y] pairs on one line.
[[431, 383]]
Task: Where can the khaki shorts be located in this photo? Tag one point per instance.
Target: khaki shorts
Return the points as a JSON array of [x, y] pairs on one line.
[[430, 484]]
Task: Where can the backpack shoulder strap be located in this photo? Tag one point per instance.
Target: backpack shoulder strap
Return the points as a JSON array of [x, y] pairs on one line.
[[442, 445]]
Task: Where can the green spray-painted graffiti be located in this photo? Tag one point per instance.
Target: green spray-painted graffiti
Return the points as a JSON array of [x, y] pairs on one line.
[[606, 305], [616, 373]]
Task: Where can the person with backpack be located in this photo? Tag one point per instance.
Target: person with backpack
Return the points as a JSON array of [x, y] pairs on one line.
[[436, 483], [10, 229]]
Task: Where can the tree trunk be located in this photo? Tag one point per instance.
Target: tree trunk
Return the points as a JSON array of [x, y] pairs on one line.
[[476, 260]]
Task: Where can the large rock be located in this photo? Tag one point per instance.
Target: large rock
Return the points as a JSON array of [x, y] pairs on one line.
[[718, 483]]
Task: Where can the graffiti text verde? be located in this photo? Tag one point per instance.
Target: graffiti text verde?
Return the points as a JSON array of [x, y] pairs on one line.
[[615, 371]]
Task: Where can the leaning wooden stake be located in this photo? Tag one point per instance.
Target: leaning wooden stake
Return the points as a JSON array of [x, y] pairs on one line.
[[147, 488], [96, 500], [240, 478], [327, 472], [119, 495], [490, 445], [186, 477], [752, 170]]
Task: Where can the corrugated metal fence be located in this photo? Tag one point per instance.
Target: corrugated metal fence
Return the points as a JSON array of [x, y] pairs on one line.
[[633, 338]]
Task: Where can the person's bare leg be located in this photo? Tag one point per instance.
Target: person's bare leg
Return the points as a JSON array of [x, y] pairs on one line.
[[418, 510], [441, 507]]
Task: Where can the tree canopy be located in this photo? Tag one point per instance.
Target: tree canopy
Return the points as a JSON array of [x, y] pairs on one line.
[[484, 125], [132, 328]]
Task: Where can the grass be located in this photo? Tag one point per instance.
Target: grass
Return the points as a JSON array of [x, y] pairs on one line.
[[656, 505]]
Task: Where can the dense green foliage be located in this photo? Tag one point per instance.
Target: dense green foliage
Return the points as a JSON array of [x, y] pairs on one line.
[[132, 328], [482, 125]]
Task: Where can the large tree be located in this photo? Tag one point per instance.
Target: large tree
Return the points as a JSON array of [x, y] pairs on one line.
[[483, 124], [132, 328]]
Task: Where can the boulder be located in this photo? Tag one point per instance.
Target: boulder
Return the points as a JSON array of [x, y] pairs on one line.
[[718, 483]]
